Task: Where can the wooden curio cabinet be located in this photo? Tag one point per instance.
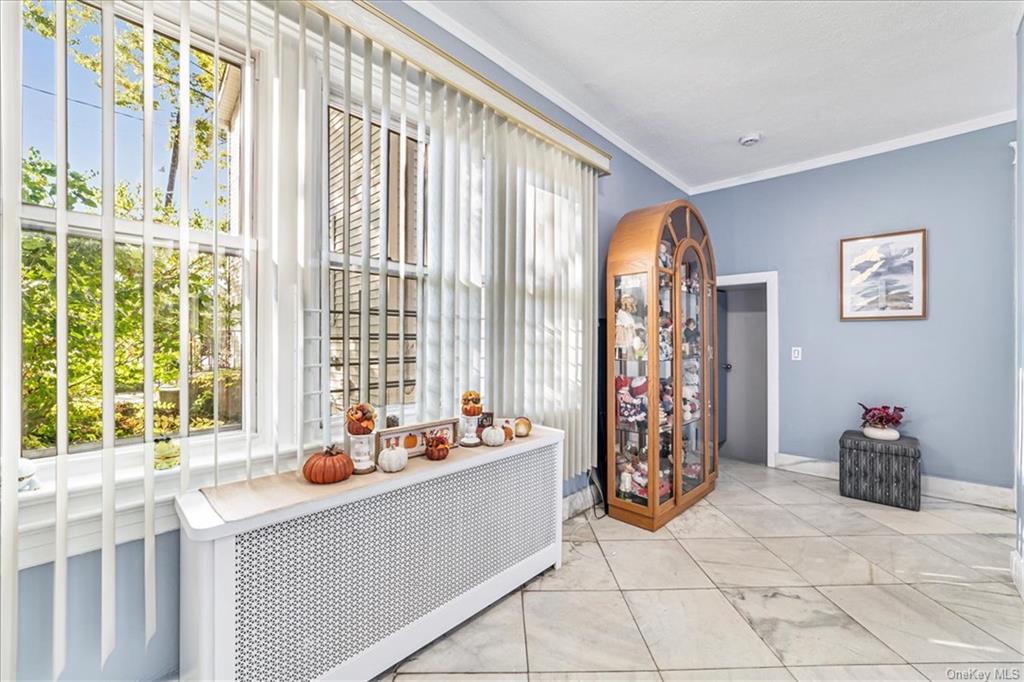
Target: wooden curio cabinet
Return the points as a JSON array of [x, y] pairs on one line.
[[662, 373]]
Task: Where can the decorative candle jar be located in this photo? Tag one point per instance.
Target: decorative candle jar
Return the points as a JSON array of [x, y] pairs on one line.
[[361, 422]]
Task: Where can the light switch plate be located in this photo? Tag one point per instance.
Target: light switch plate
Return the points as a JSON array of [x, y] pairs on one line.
[[796, 353]]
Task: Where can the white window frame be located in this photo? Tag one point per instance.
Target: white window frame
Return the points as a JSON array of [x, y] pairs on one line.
[[36, 517]]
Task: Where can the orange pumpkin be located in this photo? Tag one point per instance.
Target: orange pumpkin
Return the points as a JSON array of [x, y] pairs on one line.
[[507, 428], [330, 466], [471, 406], [411, 441]]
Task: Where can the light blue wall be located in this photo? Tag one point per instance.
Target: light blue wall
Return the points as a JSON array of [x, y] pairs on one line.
[[952, 371], [131, 659], [631, 185]]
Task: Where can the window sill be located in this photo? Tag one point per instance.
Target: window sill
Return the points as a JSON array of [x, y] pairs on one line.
[[36, 515]]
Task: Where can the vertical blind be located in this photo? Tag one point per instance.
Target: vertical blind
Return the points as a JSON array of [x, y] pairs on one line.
[[402, 243], [96, 41], [510, 280], [10, 336]]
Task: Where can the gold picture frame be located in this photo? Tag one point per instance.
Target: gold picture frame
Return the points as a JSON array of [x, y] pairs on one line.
[[884, 276]]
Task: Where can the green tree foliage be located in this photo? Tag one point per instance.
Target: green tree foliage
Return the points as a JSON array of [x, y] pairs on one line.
[[85, 363]]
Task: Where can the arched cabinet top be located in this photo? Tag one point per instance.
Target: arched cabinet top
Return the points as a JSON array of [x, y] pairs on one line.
[[638, 236]]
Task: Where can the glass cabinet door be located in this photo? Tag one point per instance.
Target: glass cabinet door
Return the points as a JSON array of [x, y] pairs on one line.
[[631, 391], [690, 403], [666, 360]]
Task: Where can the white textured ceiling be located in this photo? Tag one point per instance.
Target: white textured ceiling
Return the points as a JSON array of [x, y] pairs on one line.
[[678, 82]]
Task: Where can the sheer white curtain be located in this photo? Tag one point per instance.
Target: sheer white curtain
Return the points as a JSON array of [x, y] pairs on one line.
[[509, 287]]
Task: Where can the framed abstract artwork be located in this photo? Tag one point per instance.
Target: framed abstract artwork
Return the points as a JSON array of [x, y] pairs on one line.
[[884, 276]]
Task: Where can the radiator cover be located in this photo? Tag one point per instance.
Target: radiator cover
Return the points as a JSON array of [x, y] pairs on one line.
[[314, 591]]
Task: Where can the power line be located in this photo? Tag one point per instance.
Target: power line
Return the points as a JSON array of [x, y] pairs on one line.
[[98, 107]]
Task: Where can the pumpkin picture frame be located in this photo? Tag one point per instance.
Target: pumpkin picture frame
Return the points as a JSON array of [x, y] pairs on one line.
[[406, 433]]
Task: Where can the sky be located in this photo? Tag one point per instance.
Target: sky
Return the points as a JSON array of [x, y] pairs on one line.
[[85, 119]]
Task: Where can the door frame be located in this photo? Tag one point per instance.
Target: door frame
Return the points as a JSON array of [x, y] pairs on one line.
[[770, 280]]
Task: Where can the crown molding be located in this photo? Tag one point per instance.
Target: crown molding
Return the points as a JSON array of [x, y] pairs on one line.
[[431, 11], [862, 152]]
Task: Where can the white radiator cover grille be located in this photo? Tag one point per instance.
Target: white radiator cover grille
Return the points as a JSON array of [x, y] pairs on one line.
[[311, 593]]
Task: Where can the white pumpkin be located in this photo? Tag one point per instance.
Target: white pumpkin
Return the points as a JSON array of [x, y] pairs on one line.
[[393, 457], [27, 475], [493, 435]]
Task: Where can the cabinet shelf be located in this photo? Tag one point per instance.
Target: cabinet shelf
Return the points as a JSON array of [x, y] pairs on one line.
[[642, 428]]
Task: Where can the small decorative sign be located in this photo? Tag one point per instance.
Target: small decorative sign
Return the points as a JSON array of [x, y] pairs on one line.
[[413, 436], [486, 419]]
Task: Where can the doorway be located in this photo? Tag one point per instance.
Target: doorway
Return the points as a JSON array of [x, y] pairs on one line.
[[747, 325]]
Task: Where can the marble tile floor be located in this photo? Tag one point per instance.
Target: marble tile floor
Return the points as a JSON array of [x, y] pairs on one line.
[[774, 576]]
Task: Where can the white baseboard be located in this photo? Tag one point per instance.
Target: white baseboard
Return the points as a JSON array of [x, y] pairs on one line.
[[932, 486], [807, 465], [972, 493]]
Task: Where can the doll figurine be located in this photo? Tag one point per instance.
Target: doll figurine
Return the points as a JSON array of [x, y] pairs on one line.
[[630, 409], [664, 255], [625, 483], [665, 396], [690, 332], [664, 487], [691, 402], [625, 325], [639, 348], [665, 337], [664, 348], [691, 373]]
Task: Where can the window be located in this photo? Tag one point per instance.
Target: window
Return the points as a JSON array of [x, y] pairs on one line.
[[389, 363], [213, 184]]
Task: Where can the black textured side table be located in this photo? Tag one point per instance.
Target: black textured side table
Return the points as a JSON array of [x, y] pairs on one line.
[[883, 471]]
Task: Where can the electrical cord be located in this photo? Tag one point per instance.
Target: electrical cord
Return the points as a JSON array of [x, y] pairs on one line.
[[597, 495]]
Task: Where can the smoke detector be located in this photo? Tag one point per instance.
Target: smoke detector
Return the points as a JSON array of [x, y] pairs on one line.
[[750, 139]]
